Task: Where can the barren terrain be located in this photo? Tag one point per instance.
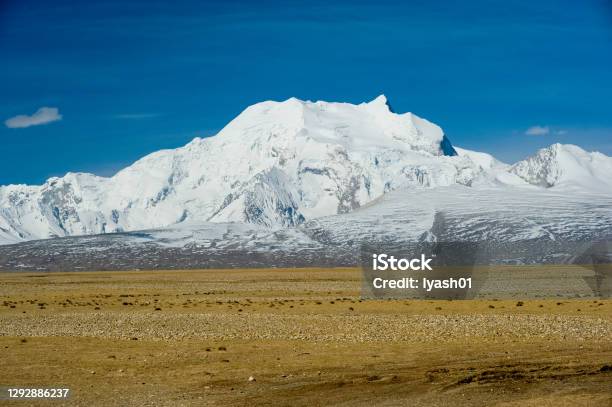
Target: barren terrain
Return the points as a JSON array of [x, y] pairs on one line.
[[293, 337]]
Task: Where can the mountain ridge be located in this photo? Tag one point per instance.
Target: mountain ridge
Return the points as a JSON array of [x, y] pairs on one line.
[[279, 164]]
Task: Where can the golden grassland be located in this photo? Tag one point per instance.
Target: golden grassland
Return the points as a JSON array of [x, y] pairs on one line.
[[194, 337]]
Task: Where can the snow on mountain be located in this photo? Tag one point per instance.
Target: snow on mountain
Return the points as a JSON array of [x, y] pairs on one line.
[[493, 171], [566, 166], [460, 213], [278, 165], [512, 221]]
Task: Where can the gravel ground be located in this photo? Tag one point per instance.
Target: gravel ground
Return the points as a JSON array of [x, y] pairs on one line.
[[349, 328], [304, 336]]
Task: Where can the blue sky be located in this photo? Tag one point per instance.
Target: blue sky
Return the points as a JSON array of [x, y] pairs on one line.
[[131, 77]]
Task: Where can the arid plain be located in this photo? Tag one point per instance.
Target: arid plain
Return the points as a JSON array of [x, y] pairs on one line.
[[293, 337]]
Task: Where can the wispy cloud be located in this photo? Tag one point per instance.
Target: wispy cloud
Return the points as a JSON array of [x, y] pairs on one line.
[[43, 115], [136, 116], [544, 131], [537, 131]]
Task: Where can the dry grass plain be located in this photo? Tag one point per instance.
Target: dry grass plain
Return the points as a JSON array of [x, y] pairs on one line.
[[191, 338]]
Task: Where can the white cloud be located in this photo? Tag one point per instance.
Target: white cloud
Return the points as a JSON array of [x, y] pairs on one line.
[[43, 115], [537, 131]]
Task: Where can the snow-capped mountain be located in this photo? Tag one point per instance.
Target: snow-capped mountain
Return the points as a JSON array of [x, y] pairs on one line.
[[276, 164], [566, 165], [279, 165]]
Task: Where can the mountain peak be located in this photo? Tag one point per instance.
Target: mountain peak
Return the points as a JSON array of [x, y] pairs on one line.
[[565, 164], [381, 100], [363, 128]]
